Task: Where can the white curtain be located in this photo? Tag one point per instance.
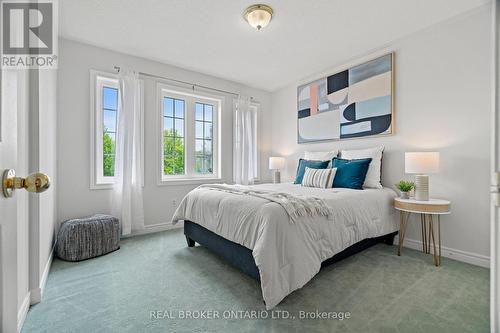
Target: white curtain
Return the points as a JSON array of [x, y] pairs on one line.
[[245, 143], [127, 194]]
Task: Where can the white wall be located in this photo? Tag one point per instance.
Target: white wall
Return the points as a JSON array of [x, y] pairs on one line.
[[442, 103], [74, 196]]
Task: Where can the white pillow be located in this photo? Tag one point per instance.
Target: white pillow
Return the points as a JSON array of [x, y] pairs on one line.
[[320, 155], [322, 178], [372, 179]]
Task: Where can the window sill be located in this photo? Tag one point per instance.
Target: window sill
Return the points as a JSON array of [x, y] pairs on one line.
[[189, 181], [103, 186]]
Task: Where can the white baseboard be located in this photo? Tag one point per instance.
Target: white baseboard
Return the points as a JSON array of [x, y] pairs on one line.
[[23, 312], [36, 296], [46, 271], [464, 256], [151, 228], [37, 293]]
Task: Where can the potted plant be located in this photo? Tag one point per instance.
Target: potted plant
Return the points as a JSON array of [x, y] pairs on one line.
[[404, 188]]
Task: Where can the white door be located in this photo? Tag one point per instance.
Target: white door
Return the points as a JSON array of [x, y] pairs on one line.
[[8, 206], [495, 179], [14, 294]]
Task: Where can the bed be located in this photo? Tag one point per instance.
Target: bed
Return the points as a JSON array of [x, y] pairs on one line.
[[257, 235]]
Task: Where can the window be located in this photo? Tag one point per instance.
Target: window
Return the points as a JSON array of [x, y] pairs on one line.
[[173, 136], [189, 140], [105, 115], [104, 96], [204, 138], [109, 119]]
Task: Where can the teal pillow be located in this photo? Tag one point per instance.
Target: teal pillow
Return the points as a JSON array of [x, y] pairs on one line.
[[350, 173], [301, 169]]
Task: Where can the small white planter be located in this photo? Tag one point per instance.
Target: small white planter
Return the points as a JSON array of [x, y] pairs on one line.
[[404, 195]]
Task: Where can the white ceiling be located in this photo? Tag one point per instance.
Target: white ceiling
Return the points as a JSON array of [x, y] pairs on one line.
[[304, 37]]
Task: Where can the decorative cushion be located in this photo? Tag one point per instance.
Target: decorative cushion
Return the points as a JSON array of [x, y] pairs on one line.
[[322, 178], [301, 169], [373, 175], [350, 173], [89, 237], [320, 155]]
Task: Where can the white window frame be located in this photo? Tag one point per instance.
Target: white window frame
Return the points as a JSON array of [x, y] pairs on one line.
[[99, 79], [256, 106], [190, 97]]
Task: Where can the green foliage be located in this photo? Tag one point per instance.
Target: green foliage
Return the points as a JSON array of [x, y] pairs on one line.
[[173, 153], [173, 157], [405, 186], [108, 155]]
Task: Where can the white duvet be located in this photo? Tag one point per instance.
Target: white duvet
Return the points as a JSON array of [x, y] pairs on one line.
[[288, 254]]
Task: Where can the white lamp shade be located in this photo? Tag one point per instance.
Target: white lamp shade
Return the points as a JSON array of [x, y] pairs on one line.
[[422, 162], [276, 163]]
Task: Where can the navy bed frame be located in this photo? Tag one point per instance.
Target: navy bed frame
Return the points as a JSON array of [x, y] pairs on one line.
[[241, 257]]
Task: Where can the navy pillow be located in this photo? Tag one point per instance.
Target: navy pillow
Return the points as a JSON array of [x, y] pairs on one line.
[[301, 169], [350, 173]]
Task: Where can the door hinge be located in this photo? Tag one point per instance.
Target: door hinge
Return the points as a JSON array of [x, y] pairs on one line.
[[495, 195]]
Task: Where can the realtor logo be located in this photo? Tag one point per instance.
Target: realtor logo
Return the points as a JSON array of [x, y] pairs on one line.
[[28, 34]]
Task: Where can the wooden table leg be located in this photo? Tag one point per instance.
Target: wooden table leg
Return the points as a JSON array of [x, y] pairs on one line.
[[435, 255], [429, 226], [422, 227], [403, 222], [439, 241], [424, 241]]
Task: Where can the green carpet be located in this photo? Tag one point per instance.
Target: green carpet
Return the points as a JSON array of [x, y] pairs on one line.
[[157, 272]]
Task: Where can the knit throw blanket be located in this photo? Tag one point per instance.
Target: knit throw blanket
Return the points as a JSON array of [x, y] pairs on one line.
[[296, 206]]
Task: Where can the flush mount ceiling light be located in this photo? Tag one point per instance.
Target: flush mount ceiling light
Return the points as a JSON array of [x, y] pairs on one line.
[[258, 16]]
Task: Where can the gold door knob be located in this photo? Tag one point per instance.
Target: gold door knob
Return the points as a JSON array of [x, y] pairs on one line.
[[36, 182]]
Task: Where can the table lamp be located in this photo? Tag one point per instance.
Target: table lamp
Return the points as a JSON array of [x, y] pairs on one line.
[[276, 164], [421, 164]]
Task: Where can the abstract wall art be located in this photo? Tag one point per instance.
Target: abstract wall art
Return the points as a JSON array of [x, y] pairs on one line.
[[353, 103]]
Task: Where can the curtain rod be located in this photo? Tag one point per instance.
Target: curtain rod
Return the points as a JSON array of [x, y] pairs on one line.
[[117, 68]]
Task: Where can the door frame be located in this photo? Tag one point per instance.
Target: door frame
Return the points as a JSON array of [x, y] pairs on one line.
[[495, 172], [34, 282]]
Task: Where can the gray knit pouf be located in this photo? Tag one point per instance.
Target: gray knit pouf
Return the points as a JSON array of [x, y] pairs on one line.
[[88, 237]]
